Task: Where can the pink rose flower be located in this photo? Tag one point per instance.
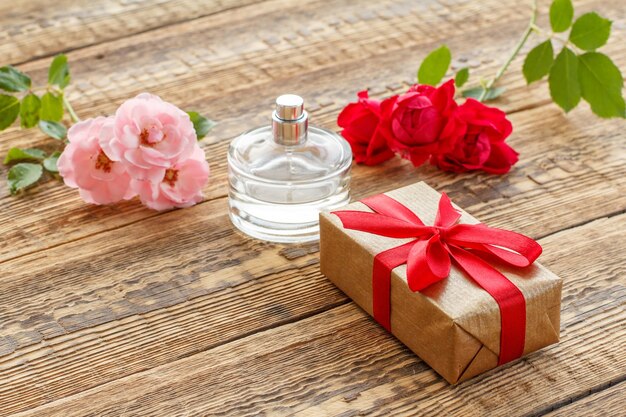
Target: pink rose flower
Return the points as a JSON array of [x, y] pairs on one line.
[[180, 186], [150, 136], [84, 165]]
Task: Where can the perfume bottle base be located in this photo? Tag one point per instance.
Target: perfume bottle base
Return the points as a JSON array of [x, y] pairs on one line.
[[308, 233], [281, 223]]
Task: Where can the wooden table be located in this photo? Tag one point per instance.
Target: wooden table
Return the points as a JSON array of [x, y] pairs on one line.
[[121, 310]]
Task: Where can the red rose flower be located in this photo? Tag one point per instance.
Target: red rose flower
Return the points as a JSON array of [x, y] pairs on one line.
[[413, 121], [477, 133], [360, 123]]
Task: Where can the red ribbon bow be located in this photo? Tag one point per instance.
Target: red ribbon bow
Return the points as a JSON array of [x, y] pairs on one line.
[[430, 254]]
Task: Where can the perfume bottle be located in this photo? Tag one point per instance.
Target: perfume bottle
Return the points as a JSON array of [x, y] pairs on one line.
[[281, 176]]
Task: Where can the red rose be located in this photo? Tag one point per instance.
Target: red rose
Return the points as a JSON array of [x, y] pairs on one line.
[[477, 133], [360, 123], [413, 121]]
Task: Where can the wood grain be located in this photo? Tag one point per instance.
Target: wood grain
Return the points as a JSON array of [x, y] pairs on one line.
[[317, 38], [121, 310], [583, 165], [37, 28], [608, 402], [561, 205], [169, 332], [341, 363], [158, 62], [25, 234]]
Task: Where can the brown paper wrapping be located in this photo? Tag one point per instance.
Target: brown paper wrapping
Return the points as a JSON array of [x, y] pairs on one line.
[[453, 325]]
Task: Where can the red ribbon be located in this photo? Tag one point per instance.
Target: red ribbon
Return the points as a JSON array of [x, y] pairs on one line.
[[430, 254]]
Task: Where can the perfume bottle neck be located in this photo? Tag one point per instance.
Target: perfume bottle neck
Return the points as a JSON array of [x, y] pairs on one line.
[[289, 121], [290, 132]]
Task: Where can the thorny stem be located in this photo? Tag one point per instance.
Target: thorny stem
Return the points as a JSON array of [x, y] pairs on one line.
[[518, 47], [70, 109]]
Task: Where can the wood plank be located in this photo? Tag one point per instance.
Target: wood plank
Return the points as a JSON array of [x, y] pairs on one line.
[[43, 28], [188, 56], [73, 307], [26, 234], [82, 292], [126, 60], [167, 60], [551, 188], [316, 38], [95, 293], [525, 205], [608, 402], [339, 362]]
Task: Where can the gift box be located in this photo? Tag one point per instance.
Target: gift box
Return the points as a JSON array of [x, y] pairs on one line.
[[463, 296]]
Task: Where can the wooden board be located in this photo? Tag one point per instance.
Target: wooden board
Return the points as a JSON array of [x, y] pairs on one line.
[[121, 310], [36, 28], [609, 402], [60, 204], [340, 361]]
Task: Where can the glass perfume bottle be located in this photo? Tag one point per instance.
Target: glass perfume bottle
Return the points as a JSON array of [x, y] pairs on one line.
[[281, 176]]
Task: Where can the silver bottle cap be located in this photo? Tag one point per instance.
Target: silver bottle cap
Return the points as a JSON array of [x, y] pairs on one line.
[[289, 120]]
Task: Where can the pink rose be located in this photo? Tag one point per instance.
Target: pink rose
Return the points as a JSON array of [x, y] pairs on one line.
[[150, 136], [84, 165], [148, 148], [413, 121], [180, 186]]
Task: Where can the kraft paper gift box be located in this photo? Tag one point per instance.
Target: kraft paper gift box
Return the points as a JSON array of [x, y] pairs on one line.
[[454, 325]]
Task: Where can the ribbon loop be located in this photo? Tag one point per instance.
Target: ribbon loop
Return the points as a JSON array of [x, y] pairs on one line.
[[510, 247], [429, 257], [383, 204], [382, 225], [446, 215]]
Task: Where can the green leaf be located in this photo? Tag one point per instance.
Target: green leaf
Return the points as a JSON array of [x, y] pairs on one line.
[[51, 107], [476, 92], [59, 72], [561, 15], [461, 77], [201, 124], [9, 109], [50, 163], [29, 110], [434, 66], [590, 31], [12, 79], [23, 175], [17, 154], [538, 62], [53, 129], [563, 80], [601, 84]]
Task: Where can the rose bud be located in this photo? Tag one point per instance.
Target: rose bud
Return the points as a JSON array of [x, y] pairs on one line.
[[413, 122]]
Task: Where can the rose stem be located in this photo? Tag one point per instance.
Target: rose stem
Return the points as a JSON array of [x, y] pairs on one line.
[[70, 109], [519, 45]]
